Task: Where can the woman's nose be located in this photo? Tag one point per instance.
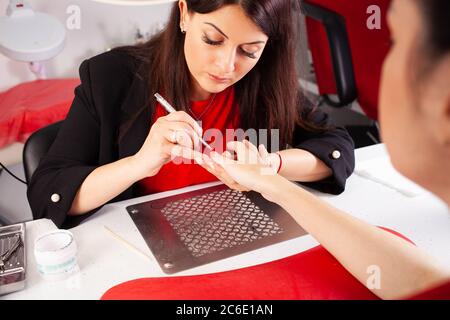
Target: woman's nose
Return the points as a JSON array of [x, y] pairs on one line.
[[226, 61]]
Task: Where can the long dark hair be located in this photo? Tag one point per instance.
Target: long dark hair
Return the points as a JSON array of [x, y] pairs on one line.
[[436, 41], [269, 96]]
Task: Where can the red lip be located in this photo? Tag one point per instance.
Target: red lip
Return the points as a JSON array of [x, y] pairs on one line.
[[218, 79]]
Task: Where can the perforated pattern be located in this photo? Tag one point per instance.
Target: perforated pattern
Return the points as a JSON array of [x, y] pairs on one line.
[[219, 220]]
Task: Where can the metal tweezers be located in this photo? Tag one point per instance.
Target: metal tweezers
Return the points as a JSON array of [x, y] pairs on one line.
[[6, 255]]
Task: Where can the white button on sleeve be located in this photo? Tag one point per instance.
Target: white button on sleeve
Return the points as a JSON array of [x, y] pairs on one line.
[[336, 154], [55, 197]]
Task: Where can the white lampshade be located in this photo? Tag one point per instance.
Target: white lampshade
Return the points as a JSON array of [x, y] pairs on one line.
[[30, 36], [135, 2]]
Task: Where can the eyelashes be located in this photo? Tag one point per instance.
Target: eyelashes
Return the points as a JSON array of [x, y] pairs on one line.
[[211, 42], [218, 43]]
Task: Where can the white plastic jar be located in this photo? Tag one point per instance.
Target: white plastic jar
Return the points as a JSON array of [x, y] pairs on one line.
[[56, 255]]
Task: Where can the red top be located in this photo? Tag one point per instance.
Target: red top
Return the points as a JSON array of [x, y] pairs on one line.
[[221, 114], [439, 293]]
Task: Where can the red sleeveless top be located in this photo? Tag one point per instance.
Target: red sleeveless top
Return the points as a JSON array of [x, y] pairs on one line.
[[219, 112]]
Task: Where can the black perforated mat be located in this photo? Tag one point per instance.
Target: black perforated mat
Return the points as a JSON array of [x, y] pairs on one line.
[[203, 226]]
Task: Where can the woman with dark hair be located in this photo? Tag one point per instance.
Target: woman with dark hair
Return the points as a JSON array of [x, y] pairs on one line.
[[415, 125], [229, 64]]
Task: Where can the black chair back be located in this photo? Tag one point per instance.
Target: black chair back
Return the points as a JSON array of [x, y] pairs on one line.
[[37, 146]]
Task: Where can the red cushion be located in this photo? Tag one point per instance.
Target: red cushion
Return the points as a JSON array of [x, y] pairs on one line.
[[368, 48], [313, 274], [30, 106]]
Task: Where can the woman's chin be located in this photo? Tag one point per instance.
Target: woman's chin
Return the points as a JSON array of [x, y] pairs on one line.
[[214, 86]]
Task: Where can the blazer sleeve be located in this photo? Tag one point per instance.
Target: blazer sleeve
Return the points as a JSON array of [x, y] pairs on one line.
[[71, 158], [334, 147]]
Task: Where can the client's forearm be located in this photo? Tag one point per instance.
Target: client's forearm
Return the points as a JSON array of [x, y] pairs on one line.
[[362, 248]]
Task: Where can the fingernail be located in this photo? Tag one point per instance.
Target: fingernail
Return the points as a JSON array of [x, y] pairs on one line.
[[199, 160], [176, 151], [215, 156], [210, 163]]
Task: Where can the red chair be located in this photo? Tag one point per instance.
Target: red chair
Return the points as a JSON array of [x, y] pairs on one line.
[[347, 54], [29, 106]]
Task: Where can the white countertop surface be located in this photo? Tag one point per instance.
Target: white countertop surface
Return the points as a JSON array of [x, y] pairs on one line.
[[104, 261]]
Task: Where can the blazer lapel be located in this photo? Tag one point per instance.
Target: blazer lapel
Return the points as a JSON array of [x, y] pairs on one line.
[[134, 132]]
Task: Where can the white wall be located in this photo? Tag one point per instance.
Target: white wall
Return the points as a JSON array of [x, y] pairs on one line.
[[102, 26]]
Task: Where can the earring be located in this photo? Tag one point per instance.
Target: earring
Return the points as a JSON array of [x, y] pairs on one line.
[[182, 29]]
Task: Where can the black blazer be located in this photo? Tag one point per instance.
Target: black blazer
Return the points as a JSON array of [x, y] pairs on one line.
[[113, 88]]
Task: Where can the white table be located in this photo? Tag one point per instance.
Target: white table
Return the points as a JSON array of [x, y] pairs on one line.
[[104, 261]]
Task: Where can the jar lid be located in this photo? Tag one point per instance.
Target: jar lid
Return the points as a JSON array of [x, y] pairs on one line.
[[55, 254]]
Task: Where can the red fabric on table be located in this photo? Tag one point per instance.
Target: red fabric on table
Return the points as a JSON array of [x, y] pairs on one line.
[[30, 106], [314, 275]]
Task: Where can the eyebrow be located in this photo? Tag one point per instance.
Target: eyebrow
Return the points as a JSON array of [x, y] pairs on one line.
[[221, 32]]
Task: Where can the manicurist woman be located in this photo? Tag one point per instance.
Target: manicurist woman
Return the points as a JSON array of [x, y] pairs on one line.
[[223, 65]]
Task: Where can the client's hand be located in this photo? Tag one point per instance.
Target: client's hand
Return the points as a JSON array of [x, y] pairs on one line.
[[216, 169], [251, 170]]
